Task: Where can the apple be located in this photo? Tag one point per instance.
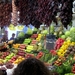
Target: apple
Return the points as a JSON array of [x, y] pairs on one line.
[[21, 34], [5, 60], [63, 37], [20, 27], [45, 32], [34, 36], [67, 33], [12, 27], [29, 31], [72, 29]]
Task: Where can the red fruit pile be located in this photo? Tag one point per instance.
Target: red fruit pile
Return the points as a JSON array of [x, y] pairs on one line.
[[39, 55], [34, 36], [58, 43], [13, 59], [73, 69], [29, 55], [53, 52], [22, 46], [4, 54], [34, 42], [21, 53]]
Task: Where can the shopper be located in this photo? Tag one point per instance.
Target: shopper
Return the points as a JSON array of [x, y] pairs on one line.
[[31, 66], [1, 72], [4, 38], [13, 36]]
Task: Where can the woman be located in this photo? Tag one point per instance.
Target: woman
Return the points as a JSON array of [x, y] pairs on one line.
[[31, 66]]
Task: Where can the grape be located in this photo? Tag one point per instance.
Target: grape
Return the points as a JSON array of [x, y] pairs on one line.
[[47, 11], [37, 11], [66, 12], [27, 10], [5, 13], [44, 11]]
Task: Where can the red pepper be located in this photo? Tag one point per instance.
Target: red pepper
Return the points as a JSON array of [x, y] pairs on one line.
[[53, 52], [73, 69]]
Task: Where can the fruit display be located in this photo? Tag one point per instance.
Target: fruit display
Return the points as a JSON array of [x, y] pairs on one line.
[[27, 41], [7, 58], [29, 48], [29, 31], [59, 43], [33, 47], [19, 59], [12, 27], [21, 34], [18, 27], [39, 37], [44, 15], [4, 55], [16, 46], [21, 53], [70, 50], [34, 42], [3, 46], [39, 55], [34, 36], [13, 59]]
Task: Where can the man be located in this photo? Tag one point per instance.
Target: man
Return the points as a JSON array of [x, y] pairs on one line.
[[13, 37]]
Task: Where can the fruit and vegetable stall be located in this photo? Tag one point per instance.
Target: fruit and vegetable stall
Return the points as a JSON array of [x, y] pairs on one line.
[[51, 40], [60, 59]]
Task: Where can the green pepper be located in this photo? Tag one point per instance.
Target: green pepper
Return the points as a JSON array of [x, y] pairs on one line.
[[47, 57], [69, 74], [51, 60], [67, 66], [59, 70]]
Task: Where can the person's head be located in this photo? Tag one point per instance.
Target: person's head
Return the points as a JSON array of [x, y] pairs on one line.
[[13, 35], [1, 72], [31, 66]]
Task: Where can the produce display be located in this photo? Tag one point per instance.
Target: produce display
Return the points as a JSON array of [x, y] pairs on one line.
[[32, 42], [60, 60]]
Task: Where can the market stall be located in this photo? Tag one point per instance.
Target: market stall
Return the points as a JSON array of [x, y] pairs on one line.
[[44, 31]]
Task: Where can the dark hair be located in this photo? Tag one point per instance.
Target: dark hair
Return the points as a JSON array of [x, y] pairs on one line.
[[1, 72], [13, 34], [31, 66]]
